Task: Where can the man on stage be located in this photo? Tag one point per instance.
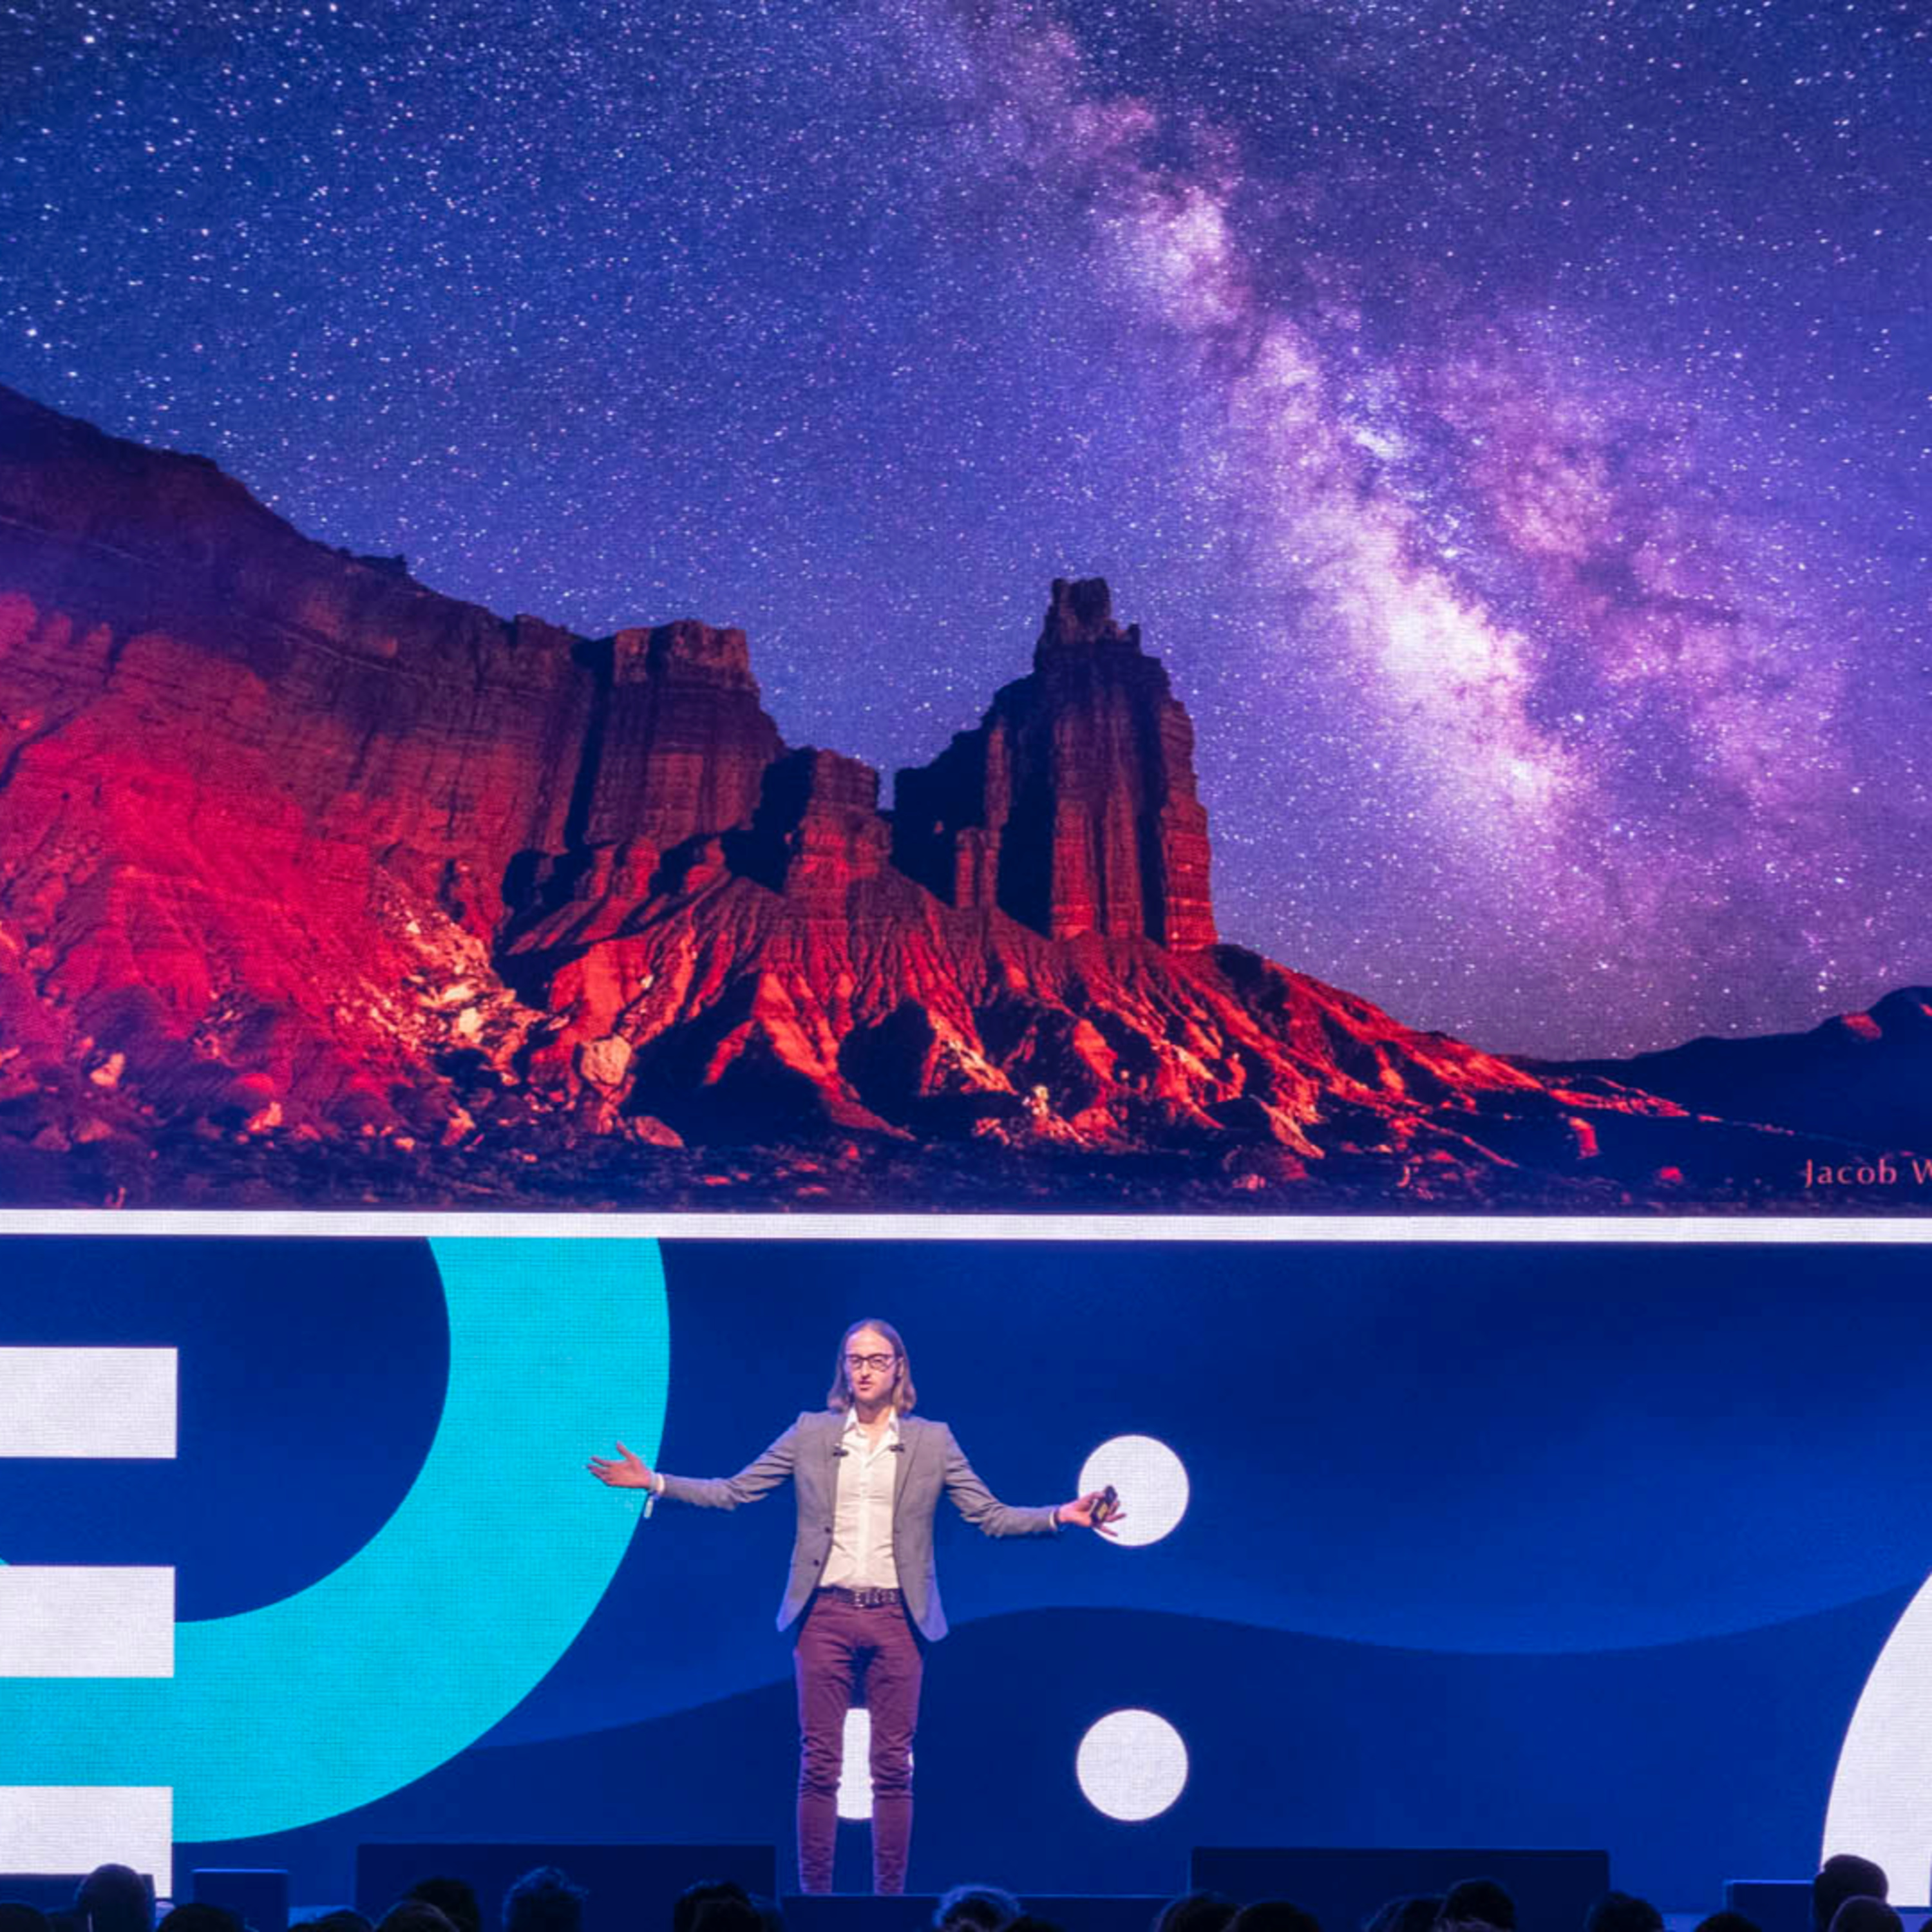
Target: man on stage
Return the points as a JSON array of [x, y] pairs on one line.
[[867, 1475]]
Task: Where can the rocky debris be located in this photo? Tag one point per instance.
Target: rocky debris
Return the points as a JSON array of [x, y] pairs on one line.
[[604, 1062]]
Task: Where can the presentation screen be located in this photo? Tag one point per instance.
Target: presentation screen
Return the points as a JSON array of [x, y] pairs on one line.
[[1509, 1544]]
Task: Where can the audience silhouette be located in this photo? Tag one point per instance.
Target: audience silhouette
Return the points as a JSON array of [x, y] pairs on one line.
[[1844, 1876], [1849, 1894], [115, 1898], [1200, 1911], [455, 1898], [1273, 1915], [976, 1908], [1619, 1912], [194, 1917], [544, 1900], [1418, 1913], [1476, 1902], [1865, 1915]]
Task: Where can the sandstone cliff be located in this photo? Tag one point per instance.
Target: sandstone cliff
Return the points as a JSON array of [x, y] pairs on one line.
[[313, 880], [1072, 807]]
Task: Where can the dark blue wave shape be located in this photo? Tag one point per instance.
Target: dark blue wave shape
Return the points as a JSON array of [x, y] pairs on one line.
[[652, 1680], [1691, 1763]]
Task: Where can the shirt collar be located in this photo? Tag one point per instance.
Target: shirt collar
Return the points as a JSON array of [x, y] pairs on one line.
[[852, 1427]]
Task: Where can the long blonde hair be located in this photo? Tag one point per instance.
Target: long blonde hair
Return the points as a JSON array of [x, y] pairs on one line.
[[903, 1394]]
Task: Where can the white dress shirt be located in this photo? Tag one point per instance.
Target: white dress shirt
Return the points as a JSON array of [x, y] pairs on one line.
[[862, 1525]]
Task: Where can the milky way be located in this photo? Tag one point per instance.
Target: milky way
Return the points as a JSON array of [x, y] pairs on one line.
[[1510, 421]]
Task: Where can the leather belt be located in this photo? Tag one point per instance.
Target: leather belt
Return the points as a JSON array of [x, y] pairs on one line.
[[862, 1600]]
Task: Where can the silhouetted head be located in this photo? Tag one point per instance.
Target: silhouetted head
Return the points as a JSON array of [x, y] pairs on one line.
[[1728, 1922], [976, 1908], [728, 1915], [1845, 1875], [1865, 1915], [544, 1900], [1273, 1914], [1618, 1911], [415, 1915], [1196, 1912], [16, 1917], [1414, 1914], [1479, 1901], [693, 1898], [872, 1341], [455, 1898], [115, 1898], [194, 1918]]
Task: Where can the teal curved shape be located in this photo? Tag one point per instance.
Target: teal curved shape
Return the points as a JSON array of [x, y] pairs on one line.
[[448, 1616]]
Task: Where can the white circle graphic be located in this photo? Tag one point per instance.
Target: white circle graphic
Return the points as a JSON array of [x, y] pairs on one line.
[[1152, 1482], [1881, 1803], [1131, 1765], [855, 1765]]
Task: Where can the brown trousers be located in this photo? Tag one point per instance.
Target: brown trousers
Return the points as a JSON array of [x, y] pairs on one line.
[[842, 1651]]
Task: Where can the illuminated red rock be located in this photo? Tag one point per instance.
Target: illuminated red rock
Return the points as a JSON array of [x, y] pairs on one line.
[[912, 1016], [263, 801], [311, 878], [818, 831], [1072, 805], [676, 742]]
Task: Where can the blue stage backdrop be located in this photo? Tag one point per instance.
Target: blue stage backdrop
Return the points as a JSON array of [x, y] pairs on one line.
[[1501, 1545]]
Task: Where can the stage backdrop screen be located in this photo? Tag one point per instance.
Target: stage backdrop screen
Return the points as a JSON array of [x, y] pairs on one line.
[[1480, 1544]]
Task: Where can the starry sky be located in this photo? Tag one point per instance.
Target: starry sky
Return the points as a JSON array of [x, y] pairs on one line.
[[1511, 420]]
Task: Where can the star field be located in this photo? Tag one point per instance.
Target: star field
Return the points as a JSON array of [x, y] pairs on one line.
[[1510, 420]]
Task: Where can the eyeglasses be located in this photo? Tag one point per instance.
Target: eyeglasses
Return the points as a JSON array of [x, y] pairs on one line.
[[878, 1364]]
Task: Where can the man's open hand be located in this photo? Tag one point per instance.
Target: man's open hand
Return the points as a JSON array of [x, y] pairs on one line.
[[625, 1473]]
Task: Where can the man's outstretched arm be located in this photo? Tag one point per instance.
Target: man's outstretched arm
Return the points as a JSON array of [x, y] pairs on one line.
[[986, 1513], [758, 1478]]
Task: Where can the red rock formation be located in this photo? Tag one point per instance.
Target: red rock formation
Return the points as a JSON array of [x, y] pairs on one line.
[[1071, 806], [261, 798], [905, 1014], [677, 742], [298, 857], [820, 820]]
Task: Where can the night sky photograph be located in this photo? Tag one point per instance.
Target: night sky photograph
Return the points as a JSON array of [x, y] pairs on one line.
[[1508, 421]]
